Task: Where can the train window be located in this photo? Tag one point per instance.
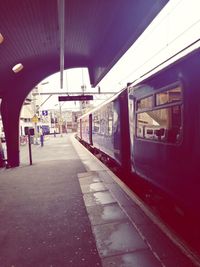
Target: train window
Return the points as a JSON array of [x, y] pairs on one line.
[[106, 120], [103, 120], [169, 96], [162, 125], [145, 103], [103, 126], [110, 119], [110, 124], [96, 123]]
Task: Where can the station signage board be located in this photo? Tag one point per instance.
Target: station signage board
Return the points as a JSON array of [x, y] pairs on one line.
[[75, 98], [44, 112], [35, 119]]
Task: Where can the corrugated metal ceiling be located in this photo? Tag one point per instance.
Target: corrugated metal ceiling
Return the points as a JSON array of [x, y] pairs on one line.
[[97, 33]]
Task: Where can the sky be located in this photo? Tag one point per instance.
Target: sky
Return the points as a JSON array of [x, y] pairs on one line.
[[175, 27]]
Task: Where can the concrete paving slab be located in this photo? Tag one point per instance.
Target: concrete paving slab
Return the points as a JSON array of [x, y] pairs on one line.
[[93, 187], [101, 214], [141, 258], [138, 216], [117, 238], [98, 198], [106, 178], [90, 174], [167, 251], [120, 195], [178, 261], [89, 180]]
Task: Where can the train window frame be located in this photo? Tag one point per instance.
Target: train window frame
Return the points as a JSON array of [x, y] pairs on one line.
[[104, 121], [96, 118], [159, 107], [85, 125], [146, 108], [168, 88]]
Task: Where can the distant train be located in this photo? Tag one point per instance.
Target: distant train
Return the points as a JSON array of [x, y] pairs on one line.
[[152, 129]]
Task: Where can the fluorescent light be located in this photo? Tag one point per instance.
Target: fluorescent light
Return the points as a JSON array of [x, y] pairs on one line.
[[17, 68], [1, 38]]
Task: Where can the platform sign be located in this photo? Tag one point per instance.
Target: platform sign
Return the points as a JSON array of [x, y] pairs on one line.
[[75, 98], [44, 112], [35, 119]]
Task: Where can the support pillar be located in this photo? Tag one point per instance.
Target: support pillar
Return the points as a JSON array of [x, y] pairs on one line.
[[10, 116]]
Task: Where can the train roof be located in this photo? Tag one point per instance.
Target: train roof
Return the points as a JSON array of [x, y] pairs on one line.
[[104, 103], [181, 55], [175, 59]]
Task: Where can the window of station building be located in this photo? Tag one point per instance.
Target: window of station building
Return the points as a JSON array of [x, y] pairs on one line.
[[169, 96], [145, 103], [163, 125]]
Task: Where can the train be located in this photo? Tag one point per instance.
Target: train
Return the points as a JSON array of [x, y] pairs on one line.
[[152, 129]]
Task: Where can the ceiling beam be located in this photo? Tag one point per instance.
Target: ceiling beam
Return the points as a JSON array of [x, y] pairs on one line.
[[74, 93], [61, 20]]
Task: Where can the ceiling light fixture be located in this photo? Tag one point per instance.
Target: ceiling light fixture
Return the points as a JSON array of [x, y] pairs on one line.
[[17, 68], [1, 38]]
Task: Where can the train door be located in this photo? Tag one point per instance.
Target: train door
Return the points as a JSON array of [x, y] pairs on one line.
[[2, 142], [80, 129], [131, 117], [124, 132], [90, 129], [1, 155]]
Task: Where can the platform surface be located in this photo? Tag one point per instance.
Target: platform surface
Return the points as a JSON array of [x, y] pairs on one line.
[[67, 209]]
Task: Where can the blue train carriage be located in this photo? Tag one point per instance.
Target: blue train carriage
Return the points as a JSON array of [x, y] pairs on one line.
[[107, 127], [79, 130], [84, 128], [164, 121]]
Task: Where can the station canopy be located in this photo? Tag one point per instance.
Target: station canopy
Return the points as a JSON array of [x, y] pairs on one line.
[[96, 34], [40, 37]]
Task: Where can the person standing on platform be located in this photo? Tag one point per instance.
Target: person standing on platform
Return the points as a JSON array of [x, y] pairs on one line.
[[41, 137], [1, 155]]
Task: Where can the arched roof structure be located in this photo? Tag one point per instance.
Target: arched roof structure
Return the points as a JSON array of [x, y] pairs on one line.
[[96, 34]]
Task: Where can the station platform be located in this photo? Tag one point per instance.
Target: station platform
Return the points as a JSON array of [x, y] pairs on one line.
[[68, 209]]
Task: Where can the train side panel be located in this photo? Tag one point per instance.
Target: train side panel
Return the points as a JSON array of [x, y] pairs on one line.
[[106, 130], [125, 148], [165, 130], [79, 128], [84, 129]]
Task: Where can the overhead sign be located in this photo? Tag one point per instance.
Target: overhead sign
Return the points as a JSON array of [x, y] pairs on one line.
[[75, 98]]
